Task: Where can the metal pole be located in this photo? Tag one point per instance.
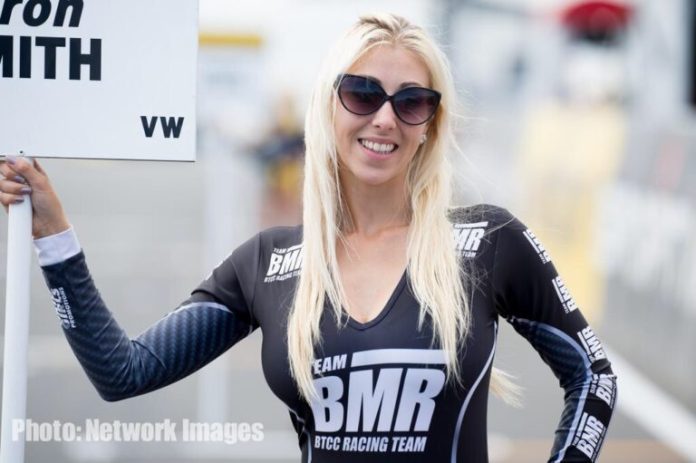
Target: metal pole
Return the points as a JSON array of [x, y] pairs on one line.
[[14, 381]]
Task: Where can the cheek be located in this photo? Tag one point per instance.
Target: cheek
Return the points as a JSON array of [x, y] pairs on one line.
[[339, 126], [342, 139], [414, 139], [345, 129]]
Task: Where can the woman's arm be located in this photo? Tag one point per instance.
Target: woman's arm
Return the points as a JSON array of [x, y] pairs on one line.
[[188, 338], [532, 297], [217, 315]]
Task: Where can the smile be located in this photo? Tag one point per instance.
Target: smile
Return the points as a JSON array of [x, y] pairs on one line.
[[381, 148]]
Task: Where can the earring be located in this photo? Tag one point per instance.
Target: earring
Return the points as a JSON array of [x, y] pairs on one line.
[[423, 138]]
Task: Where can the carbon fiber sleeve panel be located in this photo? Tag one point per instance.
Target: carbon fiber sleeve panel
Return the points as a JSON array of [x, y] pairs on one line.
[[183, 341]]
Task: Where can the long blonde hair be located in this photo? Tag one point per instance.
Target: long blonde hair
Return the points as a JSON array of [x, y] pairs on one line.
[[437, 278]]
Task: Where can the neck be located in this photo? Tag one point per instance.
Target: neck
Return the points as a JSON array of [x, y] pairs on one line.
[[375, 208]]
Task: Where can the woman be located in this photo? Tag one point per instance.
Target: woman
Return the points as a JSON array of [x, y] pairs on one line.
[[377, 335]]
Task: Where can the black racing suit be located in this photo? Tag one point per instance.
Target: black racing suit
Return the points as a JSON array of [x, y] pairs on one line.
[[382, 390]]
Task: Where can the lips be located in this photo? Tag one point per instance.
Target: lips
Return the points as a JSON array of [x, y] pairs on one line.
[[378, 147]]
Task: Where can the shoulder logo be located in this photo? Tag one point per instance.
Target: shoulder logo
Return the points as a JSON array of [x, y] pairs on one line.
[[538, 247], [468, 236], [284, 263]]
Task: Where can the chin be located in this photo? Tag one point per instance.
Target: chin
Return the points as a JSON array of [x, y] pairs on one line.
[[361, 173], [371, 177]]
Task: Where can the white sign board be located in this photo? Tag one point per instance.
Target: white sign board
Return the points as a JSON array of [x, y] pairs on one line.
[[108, 79]]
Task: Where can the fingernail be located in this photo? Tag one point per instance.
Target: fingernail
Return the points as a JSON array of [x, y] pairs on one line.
[[25, 190], [11, 159], [20, 179], [18, 199]]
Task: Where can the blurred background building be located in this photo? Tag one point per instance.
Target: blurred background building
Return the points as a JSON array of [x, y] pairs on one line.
[[579, 116]]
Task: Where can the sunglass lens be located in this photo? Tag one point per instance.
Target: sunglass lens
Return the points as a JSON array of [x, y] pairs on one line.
[[416, 105], [359, 95]]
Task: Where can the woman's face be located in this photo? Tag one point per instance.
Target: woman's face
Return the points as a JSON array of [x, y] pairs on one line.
[[394, 68]]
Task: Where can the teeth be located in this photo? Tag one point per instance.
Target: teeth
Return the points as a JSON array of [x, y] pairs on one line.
[[378, 147]]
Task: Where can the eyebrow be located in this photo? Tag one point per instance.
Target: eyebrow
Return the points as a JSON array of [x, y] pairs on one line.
[[403, 84]]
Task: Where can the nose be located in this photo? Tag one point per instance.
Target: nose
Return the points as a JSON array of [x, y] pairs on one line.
[[384, 118]]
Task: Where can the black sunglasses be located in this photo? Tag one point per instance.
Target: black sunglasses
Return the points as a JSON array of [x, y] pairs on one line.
[[362, 96]]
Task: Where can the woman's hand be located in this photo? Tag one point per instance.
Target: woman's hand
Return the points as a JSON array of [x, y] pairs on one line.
[[19, 178]]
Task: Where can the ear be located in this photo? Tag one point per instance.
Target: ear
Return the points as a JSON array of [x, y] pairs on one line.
[[426, 128], [424, 135]]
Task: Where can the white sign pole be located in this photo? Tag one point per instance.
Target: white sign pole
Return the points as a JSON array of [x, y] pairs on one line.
[[14, 381]]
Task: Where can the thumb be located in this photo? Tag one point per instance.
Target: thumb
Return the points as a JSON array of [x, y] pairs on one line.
[[38, 167]]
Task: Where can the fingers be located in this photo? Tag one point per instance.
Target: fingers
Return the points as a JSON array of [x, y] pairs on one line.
[[10, 198], [13, 186], [12, 192], [14, 165], [7, 172], [6, 199]]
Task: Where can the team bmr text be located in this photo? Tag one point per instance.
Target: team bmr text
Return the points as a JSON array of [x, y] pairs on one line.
[[16, 52]]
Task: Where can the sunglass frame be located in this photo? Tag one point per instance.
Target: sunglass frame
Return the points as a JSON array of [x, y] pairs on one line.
[[385, 97]]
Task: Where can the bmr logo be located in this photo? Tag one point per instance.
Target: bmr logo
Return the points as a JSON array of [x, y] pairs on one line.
[[538, 247], [372, 405], [602, 387], [589, 435], [591, 344], [284, 263], [379, 399], [467, 237], [564, 295]]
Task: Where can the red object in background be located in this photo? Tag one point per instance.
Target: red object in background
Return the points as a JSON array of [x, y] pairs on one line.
[[597, 16]]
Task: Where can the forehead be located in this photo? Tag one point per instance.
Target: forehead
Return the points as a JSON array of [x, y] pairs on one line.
[[392, 65]]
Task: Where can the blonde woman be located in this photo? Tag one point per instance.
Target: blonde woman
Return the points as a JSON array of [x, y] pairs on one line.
[[379, 313]]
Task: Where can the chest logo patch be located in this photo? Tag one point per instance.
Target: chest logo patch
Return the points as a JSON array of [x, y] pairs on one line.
[[468, 237], [385, 391], [284, 263]]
